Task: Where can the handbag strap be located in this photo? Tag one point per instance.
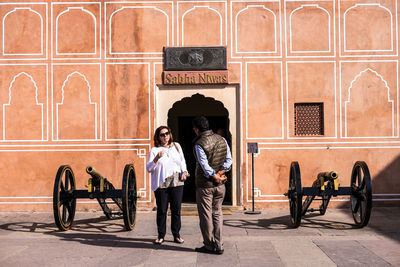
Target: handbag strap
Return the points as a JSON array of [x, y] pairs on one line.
[[177, 149]]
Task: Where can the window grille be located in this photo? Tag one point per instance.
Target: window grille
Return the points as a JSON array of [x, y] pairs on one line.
[[308, 119]]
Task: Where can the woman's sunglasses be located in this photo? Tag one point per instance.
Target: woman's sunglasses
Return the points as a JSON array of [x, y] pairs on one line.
[[164, 134]]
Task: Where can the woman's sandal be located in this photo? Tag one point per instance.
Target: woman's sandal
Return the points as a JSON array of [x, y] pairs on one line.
[[178, 240], [158, 241]]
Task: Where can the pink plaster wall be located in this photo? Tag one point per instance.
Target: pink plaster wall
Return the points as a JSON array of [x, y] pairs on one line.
[[78, 83]]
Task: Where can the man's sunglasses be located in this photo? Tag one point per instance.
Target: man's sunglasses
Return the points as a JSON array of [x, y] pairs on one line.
[[164, 134]]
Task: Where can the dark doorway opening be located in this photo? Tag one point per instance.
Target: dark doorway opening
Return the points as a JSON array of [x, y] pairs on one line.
[[180, 118]]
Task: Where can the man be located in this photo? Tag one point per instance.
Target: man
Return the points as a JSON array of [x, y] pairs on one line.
[[213, 159]]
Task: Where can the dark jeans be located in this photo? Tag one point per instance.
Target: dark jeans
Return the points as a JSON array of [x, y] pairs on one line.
[[164, 196]]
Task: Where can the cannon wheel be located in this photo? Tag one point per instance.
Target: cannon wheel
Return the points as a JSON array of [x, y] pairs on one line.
[[64, 202], [361, 197], [295, 194], [129, 197]]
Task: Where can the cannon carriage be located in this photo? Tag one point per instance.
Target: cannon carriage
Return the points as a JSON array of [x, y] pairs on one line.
[[325, 187], [65, 195]]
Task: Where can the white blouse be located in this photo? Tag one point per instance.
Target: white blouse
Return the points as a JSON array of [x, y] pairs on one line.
[[171, 162]]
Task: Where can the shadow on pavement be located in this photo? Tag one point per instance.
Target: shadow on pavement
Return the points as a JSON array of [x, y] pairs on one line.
[[282, 223], [95, 232], [317, 221], [101, 224], [107, 240]]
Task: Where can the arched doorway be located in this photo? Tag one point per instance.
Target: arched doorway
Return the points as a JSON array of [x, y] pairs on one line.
[[180, 121]]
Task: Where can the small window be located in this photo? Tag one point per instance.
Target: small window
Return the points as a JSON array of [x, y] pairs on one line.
[[308, 119]]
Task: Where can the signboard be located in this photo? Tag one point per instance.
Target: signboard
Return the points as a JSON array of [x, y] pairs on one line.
[[252, 147], [195, 77], [195, 58]]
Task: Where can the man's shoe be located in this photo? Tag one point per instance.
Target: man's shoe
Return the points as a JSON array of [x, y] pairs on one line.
[[219, 251], [203, 249]]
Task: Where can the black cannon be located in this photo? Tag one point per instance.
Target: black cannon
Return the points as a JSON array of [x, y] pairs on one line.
[[324, 187], [65, 195]]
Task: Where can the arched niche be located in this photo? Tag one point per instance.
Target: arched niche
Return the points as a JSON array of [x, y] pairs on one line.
[[138, 30], [369, 109], [256, 30], [368, 27], [202, 26], [76, 113], [23, 32], [76, 32], [23, 114], [310, 28]]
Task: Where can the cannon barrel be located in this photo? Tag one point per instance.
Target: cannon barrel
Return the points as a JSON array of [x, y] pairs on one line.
[[95, 175], [328, 175]]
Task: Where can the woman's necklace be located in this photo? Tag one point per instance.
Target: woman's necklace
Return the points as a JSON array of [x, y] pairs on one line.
[[166, 150]]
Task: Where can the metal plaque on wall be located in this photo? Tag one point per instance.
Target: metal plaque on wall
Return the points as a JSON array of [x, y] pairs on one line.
[[195, 58]]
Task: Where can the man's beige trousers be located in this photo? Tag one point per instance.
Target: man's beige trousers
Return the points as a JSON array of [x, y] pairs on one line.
[[209, 206]]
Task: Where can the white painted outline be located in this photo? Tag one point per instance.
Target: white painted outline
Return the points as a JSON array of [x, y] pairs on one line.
[[241, 88], [275, 31], [343, 53], [368, 50], [240, 160], [9, 104], [260, 55], [139, 55], [268, 196], [141, 153], [55, 113], [149, 100], [293, 137], [47, 102], [349, 96], [259, 194], [193, 9], [95, 31], [90, 102], [397, 98], [74, 56], [282, 99], [332, 2], [136, 7], [155, 94], [290, 30], [41, 33], [33, 4], [327, 144], [204, 4]]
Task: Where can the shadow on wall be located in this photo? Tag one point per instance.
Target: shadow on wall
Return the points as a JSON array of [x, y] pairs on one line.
[[386, 184], [386, 196]]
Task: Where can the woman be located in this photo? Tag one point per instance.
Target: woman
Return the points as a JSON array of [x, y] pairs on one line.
[[168, 172]]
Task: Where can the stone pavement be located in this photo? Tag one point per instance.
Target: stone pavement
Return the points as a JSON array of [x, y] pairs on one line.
[[31, 239]]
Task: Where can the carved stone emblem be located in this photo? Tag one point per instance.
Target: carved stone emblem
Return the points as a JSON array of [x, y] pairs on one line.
[[195, 58]]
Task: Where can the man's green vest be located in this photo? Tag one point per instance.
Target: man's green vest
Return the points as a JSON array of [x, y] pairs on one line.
[[215, 149]]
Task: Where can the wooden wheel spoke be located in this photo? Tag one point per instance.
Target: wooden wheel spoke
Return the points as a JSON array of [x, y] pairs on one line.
[[359, 176], [62, 188], [67, 179], [357, 206], [69, 207], [362, 207], [363, 184], [64, 213]]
